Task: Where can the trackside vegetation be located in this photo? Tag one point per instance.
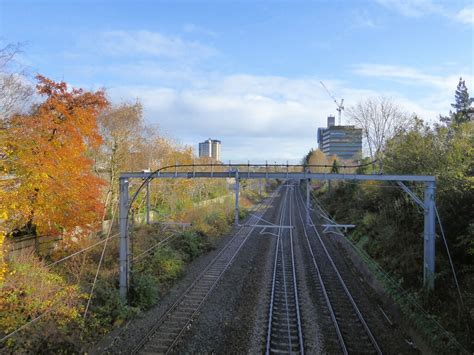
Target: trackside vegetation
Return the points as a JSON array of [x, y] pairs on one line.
[[60, 160], [389, 225]]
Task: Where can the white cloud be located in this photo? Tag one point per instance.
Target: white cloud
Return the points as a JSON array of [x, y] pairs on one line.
[[406, 75], [439, 89], [256, 117], [153, 44], [198, 30], [411, 8], [466, 15], [267, 117], [420, 8]]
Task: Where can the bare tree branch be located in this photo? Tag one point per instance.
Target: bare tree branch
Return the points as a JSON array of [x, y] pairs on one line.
[[380, 120], [15, 91]]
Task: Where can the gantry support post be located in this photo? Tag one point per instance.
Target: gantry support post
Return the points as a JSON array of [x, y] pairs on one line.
[[429, 236], [124, 267], [237, 191], [148, 202], [308, 185]]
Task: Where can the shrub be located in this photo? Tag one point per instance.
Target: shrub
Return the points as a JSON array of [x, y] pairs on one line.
[[29, 290], [107, 308], [190, 244], [144, 290], [167, 264]]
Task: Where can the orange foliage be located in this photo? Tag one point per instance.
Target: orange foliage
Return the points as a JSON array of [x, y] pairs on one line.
[[55, 190]]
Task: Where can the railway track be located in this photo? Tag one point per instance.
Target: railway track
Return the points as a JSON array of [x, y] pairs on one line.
[[166, 332], [351, 329], [284, 332]]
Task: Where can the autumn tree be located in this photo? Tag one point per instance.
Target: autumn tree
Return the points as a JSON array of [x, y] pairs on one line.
[[15, 93], [122, 129], [54, 190], [380, 119], [317, 157]]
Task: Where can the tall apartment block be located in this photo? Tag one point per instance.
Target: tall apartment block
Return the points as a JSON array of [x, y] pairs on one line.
[[343, 141], [210, 148]]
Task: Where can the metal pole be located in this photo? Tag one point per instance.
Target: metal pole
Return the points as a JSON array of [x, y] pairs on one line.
[[429, 236], [237, 187], [148, 202], [308, 183], [124, 269]]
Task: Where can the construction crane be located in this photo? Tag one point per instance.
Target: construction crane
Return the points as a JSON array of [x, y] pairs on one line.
[[339, 105]]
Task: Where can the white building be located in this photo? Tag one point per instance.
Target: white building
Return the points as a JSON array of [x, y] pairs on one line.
[[210, 148]]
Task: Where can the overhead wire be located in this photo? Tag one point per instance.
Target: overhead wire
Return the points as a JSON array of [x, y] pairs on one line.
[[149, 250], [81, 251], [458, 289], [11, 334], [100, 264], [176, 166], [449, 256], [402, 292], [8, 336]]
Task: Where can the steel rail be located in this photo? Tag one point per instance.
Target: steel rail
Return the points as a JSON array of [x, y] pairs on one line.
[[289, 291], [154, 329], [272, 296], [285, 289], [211, 289], [298, 315], [323, 287], [343, 284]]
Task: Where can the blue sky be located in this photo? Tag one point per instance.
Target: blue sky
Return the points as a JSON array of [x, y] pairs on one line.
[[248, 72]]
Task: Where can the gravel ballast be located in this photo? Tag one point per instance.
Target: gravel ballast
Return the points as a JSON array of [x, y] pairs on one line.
[[234, 317]]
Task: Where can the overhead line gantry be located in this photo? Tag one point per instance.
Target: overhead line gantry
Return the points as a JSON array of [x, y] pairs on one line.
[[263, 171]]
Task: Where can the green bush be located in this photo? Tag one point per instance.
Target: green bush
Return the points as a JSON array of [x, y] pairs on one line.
[[144, 290], [243, 213], [190, 244], [167, 264], [107, 308]]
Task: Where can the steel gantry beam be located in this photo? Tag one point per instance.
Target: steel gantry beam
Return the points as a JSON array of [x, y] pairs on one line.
[[277, 175], [428, 204]]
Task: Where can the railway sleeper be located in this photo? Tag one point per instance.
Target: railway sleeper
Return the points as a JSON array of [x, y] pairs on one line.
[[283, 328], [283, 308], [283, 317], [283, 334], [197, 294], [181, 315], [155, 349], [284, 347]]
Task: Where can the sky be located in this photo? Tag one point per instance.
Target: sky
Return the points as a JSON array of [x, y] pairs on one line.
[[248, 72]]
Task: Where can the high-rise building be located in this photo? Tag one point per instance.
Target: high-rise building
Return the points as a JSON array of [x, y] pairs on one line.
[[343, 141], [210, 148], [216, 150]]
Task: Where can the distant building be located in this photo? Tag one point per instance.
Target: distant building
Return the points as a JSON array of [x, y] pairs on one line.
[[210, 148], [343, 141]]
